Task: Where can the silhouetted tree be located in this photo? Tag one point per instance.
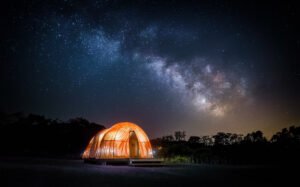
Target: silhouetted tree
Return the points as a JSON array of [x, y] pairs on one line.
[[168, 138], [194, 139], [222, 138], [255, 137], [206, 140], [179, 135], [289, 136]]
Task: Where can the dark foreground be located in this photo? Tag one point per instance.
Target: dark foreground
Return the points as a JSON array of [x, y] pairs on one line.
[[54, 172]]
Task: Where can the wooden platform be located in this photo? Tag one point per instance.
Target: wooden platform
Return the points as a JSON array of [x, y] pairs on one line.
[[131, 162], [146, 162]]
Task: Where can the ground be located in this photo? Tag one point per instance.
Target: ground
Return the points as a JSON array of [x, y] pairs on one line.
[[59, 172]]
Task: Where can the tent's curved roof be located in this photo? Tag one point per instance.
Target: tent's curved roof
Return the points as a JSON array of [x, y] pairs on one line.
[[114, 142]]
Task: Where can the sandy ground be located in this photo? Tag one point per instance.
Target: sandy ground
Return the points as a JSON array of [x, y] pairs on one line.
[[55, 172]]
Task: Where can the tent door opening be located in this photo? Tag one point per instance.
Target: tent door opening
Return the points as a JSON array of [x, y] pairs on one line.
[[133, 145]]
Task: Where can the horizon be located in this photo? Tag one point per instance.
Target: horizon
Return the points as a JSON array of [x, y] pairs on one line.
[[268, 137]]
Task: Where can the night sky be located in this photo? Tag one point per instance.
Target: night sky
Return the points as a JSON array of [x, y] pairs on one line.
[[204, 67]]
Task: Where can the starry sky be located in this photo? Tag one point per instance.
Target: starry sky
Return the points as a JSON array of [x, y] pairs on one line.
[[202, 67]]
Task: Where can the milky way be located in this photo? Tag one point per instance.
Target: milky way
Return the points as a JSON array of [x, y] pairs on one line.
[[200, 67], [206, 88]]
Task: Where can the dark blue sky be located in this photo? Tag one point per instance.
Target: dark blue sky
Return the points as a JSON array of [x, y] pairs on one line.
[[173, 65]]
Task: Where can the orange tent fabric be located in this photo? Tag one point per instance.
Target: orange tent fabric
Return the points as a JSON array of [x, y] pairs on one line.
[[122, 140]]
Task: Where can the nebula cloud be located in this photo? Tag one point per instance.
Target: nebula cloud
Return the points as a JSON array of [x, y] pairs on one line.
[[205, 87]]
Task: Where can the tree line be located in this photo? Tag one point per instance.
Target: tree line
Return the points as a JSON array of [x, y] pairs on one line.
[[231, 148], [36, 135]]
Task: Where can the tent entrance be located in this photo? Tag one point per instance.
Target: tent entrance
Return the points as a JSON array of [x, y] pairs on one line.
[[133, 145]]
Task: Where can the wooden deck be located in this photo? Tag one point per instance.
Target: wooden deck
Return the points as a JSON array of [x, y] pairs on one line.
[[146, 162], [127, 161]]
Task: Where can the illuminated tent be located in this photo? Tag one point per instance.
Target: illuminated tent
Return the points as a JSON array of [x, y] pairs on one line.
[[121, 141]]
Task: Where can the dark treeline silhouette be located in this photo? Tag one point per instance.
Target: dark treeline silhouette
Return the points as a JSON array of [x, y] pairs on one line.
[[230, 148], [35, 135]]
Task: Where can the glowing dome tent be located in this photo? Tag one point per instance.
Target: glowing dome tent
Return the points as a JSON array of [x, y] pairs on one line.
[[122, 141]]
